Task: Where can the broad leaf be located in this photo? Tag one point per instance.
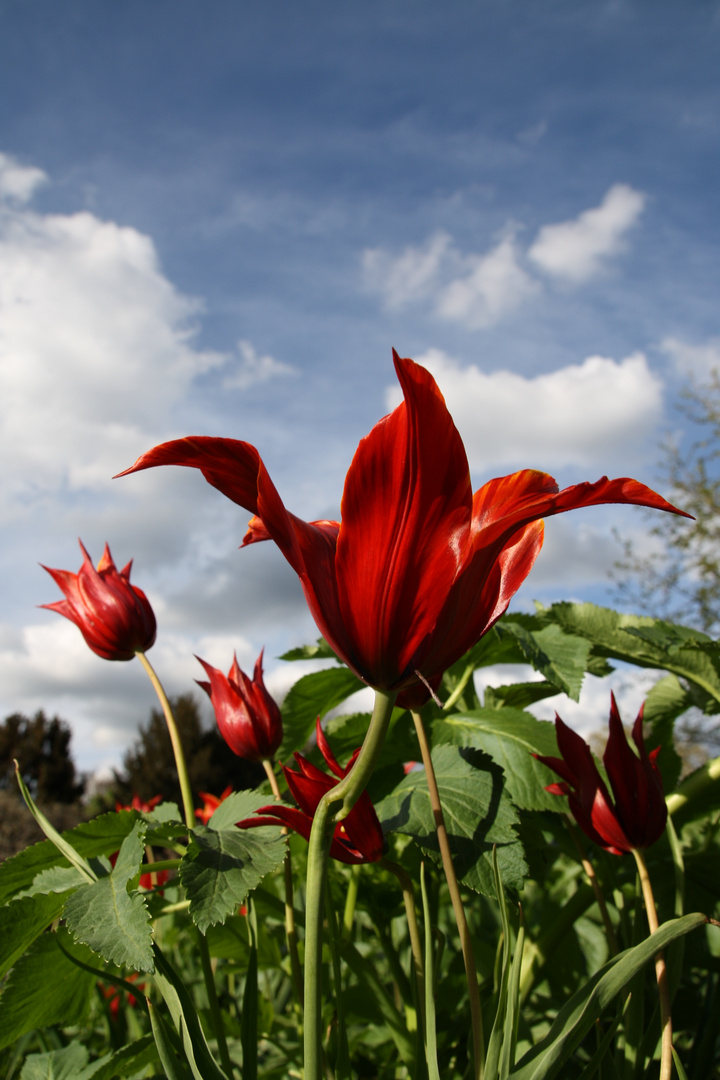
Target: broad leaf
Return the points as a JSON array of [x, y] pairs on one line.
[[110, 920], [665, 702], [222, 866], [518, 695], [69, 1063], [312, 696], [45, 988], [510, 737], [478, 816], [561, 657], [237, 807], [22, 921], [319, 651]]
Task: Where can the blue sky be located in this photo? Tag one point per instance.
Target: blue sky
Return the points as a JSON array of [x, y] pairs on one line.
[[218, 219]]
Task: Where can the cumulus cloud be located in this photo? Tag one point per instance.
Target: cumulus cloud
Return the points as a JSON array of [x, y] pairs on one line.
[[478, 290], [18, 182], [494, 286], [697, 360], [595, 414], [576, 250], [252, 369]]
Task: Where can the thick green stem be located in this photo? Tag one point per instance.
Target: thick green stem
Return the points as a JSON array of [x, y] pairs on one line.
[[661, 973], [290, 929], [346, 792], [458, 909], [188, 805]]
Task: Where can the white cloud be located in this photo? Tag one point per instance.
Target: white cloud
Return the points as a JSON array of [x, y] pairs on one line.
[[575, 250], [253, 369], [697, 360], [409, 277], [18, 182], [594, 414], [495, 285]]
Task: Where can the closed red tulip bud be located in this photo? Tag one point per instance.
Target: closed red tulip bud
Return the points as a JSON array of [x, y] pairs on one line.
[[419, 568], [113, 616], [247, 716], [357, 839], [635, 815]]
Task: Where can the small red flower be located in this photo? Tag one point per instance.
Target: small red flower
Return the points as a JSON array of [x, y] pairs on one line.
[[112, 995], [637, 817], [247, 716], [210, 804], [139, 805], [419, 568], [357, 839], [113, 616]]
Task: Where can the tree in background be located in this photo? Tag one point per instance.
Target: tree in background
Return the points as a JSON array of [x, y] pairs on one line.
[[42, 750], [680, 580], [149, 764]]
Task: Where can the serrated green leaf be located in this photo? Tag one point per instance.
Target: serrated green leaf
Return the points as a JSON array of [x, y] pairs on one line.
[[559, 656], [510, 737], [545, 1060], [55, 879], [647, 642], [22, 921], [101, 836], [222, 866], [110, 920], [44, 988], [517, 695], [312, 696], [478, 815], [237, 807]]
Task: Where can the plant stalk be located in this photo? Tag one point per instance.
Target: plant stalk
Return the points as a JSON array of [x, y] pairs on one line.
[[661, 972], [458, 909], [290, 928]]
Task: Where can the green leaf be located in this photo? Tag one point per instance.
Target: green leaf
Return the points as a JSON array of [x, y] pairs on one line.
[[578, 1015], [101, 836], [70, 1063], [478, 815], [129, 1060], [312, 696], [518, 695], [55, 879], [561, 657], [222, 866], [45, 988], [319, 651], [187, 1022], [64, 847], [510, 737], [22, 921], [174, 1069], [665, 702], [237, 807], [110, 920], [647, 642]]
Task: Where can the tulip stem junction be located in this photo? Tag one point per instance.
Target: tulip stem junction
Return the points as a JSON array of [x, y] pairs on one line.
[[661, 972], [347, 792], [459, 910], [180, 765], [290, 929]]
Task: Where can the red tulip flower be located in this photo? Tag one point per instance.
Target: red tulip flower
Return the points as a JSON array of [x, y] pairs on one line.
[[636, 818], [113, 616], [247, 716], [138, 804], [211, 803], [357, 839], [419, 568]]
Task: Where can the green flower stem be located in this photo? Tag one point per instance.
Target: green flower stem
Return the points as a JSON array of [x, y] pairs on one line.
[[155, 866], [592, 878], [660, 971], [695, 784], [188, 804], [346, 792], [189, 810], [458, 909], [413, 930], [350, 902], [290, 928]]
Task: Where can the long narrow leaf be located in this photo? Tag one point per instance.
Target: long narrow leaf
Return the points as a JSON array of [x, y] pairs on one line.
[[187, 1021], [52, 834], [430, 1028], [174, 1070]]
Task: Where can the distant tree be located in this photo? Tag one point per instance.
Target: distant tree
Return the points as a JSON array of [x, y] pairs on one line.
[[42, 750], [680, 580], [149, 765]]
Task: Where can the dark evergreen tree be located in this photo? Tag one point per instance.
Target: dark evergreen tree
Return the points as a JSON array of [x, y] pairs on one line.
[[149, 765], [42, 750]]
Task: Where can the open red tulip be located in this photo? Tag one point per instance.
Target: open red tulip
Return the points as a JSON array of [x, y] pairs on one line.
[[358, 838], [113, 616], [636, 818], [419, 568], [247, 716]]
